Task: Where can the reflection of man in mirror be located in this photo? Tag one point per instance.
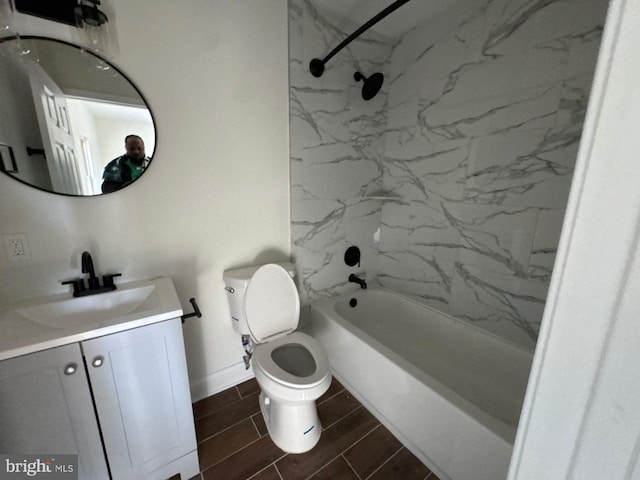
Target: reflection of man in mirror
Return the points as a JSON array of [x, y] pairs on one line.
[[123, 170]]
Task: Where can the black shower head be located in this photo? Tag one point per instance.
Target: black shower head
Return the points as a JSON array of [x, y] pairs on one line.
[[371, 85]]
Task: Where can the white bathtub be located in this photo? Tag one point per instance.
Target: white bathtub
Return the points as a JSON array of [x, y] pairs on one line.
[[451, 392]]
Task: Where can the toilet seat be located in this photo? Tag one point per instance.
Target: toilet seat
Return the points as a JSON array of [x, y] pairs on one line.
[[272, 309], [264, 361]]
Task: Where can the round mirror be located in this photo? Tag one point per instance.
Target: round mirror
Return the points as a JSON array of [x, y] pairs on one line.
[[70, 122]]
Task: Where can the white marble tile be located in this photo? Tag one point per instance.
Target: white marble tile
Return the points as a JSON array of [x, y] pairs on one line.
[[339, 171], [368, 118], [476, 131], [316, 225], [574, 100], [515, 25], [402, 102], [583, 52], [494, 237], [510, 26], [295, 179], [319, 278], [528, 168], [424, 275], [568, 18], [544, 64], [482, 78], [525, 109], [398, 140], [437, 171], [458, 48], [545, 243], [403, 115], [419, 219], [322, 241], [502, 304]]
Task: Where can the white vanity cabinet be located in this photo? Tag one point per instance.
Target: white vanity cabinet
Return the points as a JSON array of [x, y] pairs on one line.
[[128, 398], [141, 392], [46, 408]]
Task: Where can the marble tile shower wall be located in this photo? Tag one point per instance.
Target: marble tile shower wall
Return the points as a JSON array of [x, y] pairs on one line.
[[337, 145], [483, 128], [475, 136]]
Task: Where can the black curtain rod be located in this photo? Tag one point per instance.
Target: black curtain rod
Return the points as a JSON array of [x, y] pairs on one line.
[[316, 66]]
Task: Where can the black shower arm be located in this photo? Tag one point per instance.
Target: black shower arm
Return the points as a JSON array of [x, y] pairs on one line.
[[317, 66]]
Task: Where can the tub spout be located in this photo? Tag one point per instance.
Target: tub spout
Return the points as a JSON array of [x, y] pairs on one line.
[[360, 281]]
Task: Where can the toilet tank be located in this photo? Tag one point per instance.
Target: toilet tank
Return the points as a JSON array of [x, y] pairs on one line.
[[235, 283]]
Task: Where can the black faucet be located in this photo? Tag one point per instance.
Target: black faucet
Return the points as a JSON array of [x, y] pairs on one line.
[[87, 267], [360, 281], [79, 289]]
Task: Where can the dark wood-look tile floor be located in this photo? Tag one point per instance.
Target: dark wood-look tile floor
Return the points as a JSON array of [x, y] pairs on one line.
[[233, 442]]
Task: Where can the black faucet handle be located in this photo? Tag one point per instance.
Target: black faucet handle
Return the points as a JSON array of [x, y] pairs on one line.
[[78, 285], [107, 280]]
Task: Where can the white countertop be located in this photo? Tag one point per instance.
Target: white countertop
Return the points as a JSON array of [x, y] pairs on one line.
[[20, 336]]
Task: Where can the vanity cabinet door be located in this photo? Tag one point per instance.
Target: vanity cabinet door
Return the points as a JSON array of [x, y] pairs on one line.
[[46, 408], [141, 391]]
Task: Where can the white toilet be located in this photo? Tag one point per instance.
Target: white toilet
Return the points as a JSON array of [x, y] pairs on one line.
[[291, 368]]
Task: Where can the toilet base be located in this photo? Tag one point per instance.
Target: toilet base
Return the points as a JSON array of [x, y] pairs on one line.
[[293, 426]]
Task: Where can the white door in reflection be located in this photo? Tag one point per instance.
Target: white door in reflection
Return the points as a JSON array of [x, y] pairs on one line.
[[57, 136]]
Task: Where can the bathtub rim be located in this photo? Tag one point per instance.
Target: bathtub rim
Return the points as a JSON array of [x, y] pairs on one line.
[[496, 426]]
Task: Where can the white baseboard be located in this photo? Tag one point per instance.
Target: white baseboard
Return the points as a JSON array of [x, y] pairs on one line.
[[219, 381]]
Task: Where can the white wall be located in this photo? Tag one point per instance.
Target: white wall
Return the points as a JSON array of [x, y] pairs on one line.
[[217, 195]]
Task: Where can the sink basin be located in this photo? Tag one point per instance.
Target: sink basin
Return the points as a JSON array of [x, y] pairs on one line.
[[90, 309], [31, 325]]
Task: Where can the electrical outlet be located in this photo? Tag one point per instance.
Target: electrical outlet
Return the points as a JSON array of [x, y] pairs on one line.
[[16, 246]]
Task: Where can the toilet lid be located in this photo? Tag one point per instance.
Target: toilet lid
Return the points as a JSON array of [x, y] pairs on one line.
[[271, 303]]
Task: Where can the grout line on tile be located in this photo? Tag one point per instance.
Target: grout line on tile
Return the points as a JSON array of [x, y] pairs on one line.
[[360, 439], [379, 425], [224, 430], [231, 454], [265, 468], [322, 467], [278, 471], [220, 408], [329, 398], [350, 466], [255, 426], [385, 462], [324, 427]]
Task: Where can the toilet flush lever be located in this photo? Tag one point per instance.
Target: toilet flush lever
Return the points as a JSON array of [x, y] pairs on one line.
[[229, 289]]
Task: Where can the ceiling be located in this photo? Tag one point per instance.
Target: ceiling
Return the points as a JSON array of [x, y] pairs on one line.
[[394, 25]]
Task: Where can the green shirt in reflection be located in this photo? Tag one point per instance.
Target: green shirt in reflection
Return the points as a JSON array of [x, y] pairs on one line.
[[120, 172]]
